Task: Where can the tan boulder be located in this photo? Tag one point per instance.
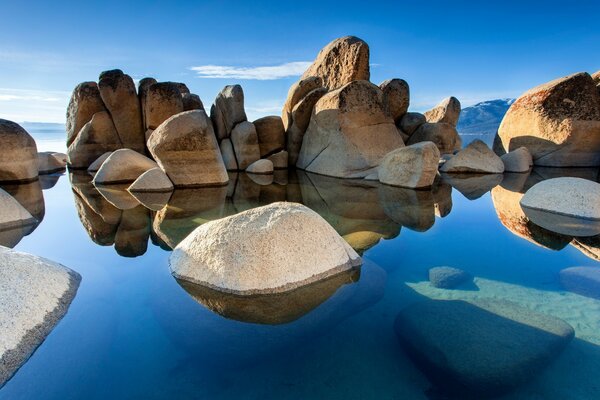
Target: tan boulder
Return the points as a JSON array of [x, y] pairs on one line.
[[18, 158], [118, 94], [279, 159], [447, 111], [245, 144], [228, 155], [228, 110], [411, 121], [48, 163], [123, 166], [271, 136], [191, 102], [477, 157], [163, 100], [186, 149], [396, 97], [558, 122], [84, 103], [411, 167], [297, 92], [183, 89], [95, 166], [96, 137], [142, 91], [300, 118], [518, 160], [340, 62], [153, 180], [442, 134], [349, 133]]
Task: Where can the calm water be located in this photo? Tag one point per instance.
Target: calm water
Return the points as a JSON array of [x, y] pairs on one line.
[[133, 331]]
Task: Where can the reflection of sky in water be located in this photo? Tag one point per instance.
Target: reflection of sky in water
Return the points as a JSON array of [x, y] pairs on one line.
[[134, 332]]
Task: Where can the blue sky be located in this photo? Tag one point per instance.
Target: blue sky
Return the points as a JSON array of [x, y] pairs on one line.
[[473, 50]]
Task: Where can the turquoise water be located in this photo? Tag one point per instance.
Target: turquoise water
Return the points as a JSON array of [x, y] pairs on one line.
[[133, 331]]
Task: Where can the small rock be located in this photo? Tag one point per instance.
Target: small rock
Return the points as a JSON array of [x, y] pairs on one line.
[[262, 167], [123, 166], [477, 157], [97, 137], [297, 92], [228, 155], [518, 160], [191, 102], [153, 180], [413, 166], [448, 277]]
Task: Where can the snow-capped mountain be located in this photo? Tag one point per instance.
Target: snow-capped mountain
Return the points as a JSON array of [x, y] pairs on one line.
[[481, 121]]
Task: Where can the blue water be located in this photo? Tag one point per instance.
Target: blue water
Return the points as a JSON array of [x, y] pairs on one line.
[[133, 331]]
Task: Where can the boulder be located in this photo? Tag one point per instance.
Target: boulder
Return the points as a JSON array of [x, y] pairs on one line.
[[442, 134], [582, 280], [95, 166], [279, 160], [413, 166], [300, 118], [340, 62], [118, 94], [261, 167], [558, 122], [13, 214], [245, 144], [448, 277], [183, 89], [62, 157], [186, 148], [228, 110], [84, 103], [153, 180], [163, 100], [271, 136], [456, 344], [97, 137], [297, 92], [518, 160], [270, 249], [477, 157], [48, 163], [569, 206], [228, 155], [191, 102], [36, 294], [18, 159], [123, 166], [349, 133], [411, 121], [447, 111], [142, 91], [396, 98]]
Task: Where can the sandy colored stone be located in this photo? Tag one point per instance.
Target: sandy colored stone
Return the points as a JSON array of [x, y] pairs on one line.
[[518, 160], [84, 103], [558, 122], [191, 102], [297, 92], [153, 180], [95, 166], [279, 159], [340, 62], [48, 163], [163, 100], [411, 121], [396, 97], [447, 111], [228, 155], [97, 137], [12, 213], [245, 144], [413, 166], [442, 134], [261, 167], [18, 158], [270, 249], [300, 117], [228, 110], [36, 294], [120, 98], [271, 136], [477, 157], [123, 166], [186, 148], [349, 133], [142, 91]]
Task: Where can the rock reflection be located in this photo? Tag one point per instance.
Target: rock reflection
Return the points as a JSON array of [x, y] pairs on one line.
[[118, 196], [473, 186], [413, 209], [131, 238], [49, 181], [30, 196]]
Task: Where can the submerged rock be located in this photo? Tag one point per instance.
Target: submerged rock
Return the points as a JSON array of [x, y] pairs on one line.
[[447, 111], [413, 166], [35, 295], [448, 277], [480, 348], [269, 249], [582, 280], [123, 166], [477, 157], [18, 159]]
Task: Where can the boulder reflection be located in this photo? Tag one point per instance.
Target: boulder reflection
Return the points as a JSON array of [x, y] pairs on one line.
[[30, 196]]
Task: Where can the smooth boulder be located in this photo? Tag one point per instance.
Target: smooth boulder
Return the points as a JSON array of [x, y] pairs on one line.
[[186, 149], [271, 135], [95, 166], [84, 103], [97, 137], [518, 160], [269, 249], [123, 166], [448, 111], [228, 110], [442, 134], [396, 98], [477, 157], [297, 92], [245, 144], [153, 180], [413, 166], [191, 101], [279, 159], [18, 158], [142, 91], [448, 277]]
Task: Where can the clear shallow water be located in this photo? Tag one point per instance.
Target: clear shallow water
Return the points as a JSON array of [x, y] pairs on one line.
[[134, 332]]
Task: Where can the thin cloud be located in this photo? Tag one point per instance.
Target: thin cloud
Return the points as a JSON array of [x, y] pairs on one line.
[[33, 105], [256, 73]]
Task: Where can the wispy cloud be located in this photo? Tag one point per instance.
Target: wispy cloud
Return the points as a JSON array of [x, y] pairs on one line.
[[33, 105], [258, 73]]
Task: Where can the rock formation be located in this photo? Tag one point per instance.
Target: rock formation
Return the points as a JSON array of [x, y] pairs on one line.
[[84, 103], [448, 111], [95, 138], [228, 111]]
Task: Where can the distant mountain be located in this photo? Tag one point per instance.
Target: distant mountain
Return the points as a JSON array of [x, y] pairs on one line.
[[482, 120]]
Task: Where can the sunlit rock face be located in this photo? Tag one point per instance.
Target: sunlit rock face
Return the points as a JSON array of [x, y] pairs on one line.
[[123, 166], [448, 111], [18, 159], [558, 122], [477, 157], [84, 103], [97, 137], [228, 111]]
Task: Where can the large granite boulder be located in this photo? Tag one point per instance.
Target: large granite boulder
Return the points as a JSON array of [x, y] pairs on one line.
[[97, 137], [340, 62], [349, 133], [413, 166], [271, 136], [518, 160], [481, 348], [123, 166], [120, 98], [411, 121], [442, 134], [558, 122], [447, 111], [36, 294], [142, 91], [297, 92], [570, 206], [163, 100], [186, 148], [396, 98], [245, 144], [18, 158], [228, 110], [477, 157], [270, 249], [84, 103]]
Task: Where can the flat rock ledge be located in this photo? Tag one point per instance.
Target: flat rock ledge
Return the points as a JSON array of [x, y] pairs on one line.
[[270, 249], [36, 294]]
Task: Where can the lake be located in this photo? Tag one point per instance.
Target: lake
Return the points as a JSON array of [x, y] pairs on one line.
[[133, 331]]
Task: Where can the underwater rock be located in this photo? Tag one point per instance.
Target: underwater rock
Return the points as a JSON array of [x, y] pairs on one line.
[[448, 111], [448, 277], [411, 208], [131, 238], [582, 280], [413, 166], [473, 186], [477, 157], [18, 159]]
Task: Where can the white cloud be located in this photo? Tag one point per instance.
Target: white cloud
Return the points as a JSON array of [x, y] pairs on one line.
[[258, 73], [33, 105]]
